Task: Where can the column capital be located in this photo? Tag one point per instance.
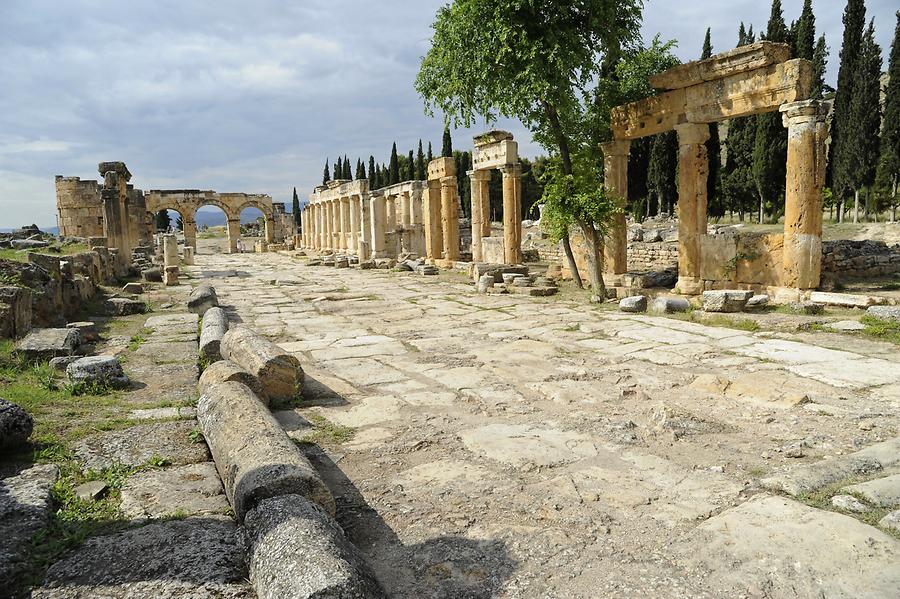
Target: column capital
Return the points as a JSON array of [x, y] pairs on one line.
[[511, 170], [448, 181], [806, 111], [617, 147], [480, 175], [692, 133]]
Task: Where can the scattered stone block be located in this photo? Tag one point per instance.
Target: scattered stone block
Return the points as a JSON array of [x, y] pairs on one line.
[[314, 262], [44, 344], [121, 306], [891, 521], [757, 302], [253, 453], [194, 557], [215, 325], [133, 288], [848, 503], [62, 362], [225, 370], [194, 489], [635, 303], [170, 276], [25, 507], [891, 313], [341, 262], [846, 326], [845, 300], [152, 275], [91, 491], [135, 446], [98, 370], [278, 371], [15, 425], [509, 278], [806, 308], [88, 330], [881, 492], [544, 282], [367, 265], [669, 305], [289, 534], [15, 312], [530, 291], [202, 298], [427, 270], [485, 282], [726, 300]]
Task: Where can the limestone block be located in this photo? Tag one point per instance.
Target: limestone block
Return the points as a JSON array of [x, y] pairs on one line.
[[202, 298], [298, 551], [885, 312], [669, 305], [485, 282], [97, 370], [718, 257], [170, 276], [635, 303], [223, 371], [15, 425], [253, 454], [15, 312], [121, 306], [133, 288], [278, 371], [215, 325], [846, 300], [732, 62], [757, 302], [727, 300], [43, 344]]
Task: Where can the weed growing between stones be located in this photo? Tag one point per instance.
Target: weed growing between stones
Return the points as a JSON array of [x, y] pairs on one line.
[[881, 329], [821, 499], [196, 435], [138, 339], [326, 432]]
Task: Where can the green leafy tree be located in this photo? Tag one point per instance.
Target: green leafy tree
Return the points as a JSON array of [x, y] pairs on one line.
[[447, 146], [862, 135], [373, 183], [538, 62], [840, 165], [163, 220], [295, 208], [770, 145], [888, 173], [420, 164], [394, 173], [326, 176]]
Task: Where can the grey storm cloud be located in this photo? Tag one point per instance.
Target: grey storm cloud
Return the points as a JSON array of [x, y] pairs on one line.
[[252, 96]]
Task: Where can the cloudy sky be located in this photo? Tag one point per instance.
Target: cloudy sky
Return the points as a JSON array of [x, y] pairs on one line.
[[246, 96]]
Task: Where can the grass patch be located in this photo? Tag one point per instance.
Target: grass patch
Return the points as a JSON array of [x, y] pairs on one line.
[[884, 330], [326, 432], [821, 499], [138, 339]]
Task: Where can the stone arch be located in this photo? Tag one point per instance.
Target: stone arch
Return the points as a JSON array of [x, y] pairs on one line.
[[264, 205], [231, 232]]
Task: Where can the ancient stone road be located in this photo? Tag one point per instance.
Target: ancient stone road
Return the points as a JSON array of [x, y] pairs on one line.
[[531, 447]]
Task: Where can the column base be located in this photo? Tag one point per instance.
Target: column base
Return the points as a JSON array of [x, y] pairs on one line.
[[689, 286]]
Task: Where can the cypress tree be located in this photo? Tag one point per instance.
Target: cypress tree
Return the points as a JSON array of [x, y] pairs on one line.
[[770, 145], [348, 174], [420, 164], [737, 179], [430, 155], [394, 173], [661, 172], [862, 136], [338, 169], [163, 221], [889, 162], [447, 148], [362, 170], [295, 208], [805, 33], [326, 176], [841, 150], [378, 180], [372, 181], [713, 150], [820, 62], [410, 167]]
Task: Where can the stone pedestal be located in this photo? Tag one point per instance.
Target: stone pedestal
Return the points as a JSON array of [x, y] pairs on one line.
[[170, 251], [188, 257], [512, 214], [693, 170], [807, 131], [450, 218], [615, 167], [170, 276], [189, 226], [481, 211]]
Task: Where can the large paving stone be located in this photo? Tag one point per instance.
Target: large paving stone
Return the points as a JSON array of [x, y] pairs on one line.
[[518, 445], [776, 547], [195, 557], [43, 344], [882, 492], [24, 509], [193, 490], [136, 445], [885, 312]]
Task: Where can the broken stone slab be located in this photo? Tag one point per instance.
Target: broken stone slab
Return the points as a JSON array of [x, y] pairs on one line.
[[891, 521], [133, 288], [137, 445], [215, 325], [757, 302], [15, 425], [254, 455], [509, 278], [891, 313], [152, 275], [25, 507], [226, 370], [848, 503], [194, 489], [881, 492], [62, 362], [27, 244], [806, 308], [121, 306], [635, 303], [202, 298], [532, 291], [726, 300], [427, 270], [176, 559], [669, 305], [846, 326], [297, 550], [792, 550], [88, 330], [278, 371], [479, 269], [92, 490], [98, 370], [43, 344], [845, 300], [812, 477], [367, 264], [485, 282]]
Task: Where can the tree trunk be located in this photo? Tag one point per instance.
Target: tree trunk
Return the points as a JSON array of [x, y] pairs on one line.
[[856, 206], [762, 204], [595, 260], [866, 207], [570, 260], [894, 201]]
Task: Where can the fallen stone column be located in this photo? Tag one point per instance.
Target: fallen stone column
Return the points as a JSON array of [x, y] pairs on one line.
[[278, 371], [224, 371], [202, 299], [297, 550], [215, 325], [254, 456]]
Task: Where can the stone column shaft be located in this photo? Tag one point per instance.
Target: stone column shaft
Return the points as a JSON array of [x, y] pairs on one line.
[[512, 214], [417, 241], [335, 224], [481, 211], [693, 170], [450, 218], [190, 232], [234, 233], [378, 214], [807, 131], [365, 218], [353, 240], [431, 209], [345, 223], [615, 243]]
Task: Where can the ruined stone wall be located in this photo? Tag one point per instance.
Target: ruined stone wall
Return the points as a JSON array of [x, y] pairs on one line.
[[846, 259], [654, 256], [80, 207]]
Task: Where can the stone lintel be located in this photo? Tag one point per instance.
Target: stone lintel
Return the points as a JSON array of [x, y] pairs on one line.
[[751, 92], [117, 167], [495, 155], [441, 167], [492, 137], [739, 60]]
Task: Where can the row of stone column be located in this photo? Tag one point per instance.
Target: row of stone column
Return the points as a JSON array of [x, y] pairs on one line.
[[233, 228], [802, 255], [512, 212]]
